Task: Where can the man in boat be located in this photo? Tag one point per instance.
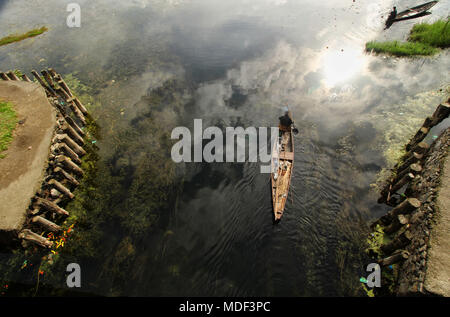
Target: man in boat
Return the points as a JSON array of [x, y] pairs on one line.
[[286, 120], [391, 18]]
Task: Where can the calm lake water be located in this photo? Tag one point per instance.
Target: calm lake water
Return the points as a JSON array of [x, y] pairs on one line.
[[235, 63]]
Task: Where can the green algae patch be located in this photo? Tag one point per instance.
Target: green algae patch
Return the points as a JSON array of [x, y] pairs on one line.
[[8, 121], [20, 37], [424, 40]]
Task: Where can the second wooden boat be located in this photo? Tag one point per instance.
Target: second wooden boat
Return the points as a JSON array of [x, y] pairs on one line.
[[415, 11]]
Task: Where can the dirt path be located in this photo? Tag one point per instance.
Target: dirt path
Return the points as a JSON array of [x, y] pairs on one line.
[[22, 169], [437, 278]]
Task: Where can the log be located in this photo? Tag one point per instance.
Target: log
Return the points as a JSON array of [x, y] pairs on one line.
[[62, 148], [30, 236], [80, 106], [52, 72], [396, 224], [414, 158], [63, 85], [61, 188], [69, 165], [70, 178], [420, 148], [402, 182], [39, 79], [420, 135], [46, 224], [48, 89], [12, 76], [48, 78], [75, 126], [427, 123], [63, 94], [4, 76], [400, 242], [413, 168], [441, 113], [65, 127], [51, 206], [405, 207], [71, 143], [77, 112], [25, 78], [395, 258]]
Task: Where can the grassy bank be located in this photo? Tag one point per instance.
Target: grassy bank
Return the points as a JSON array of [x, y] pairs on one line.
[[424, 40], [8, 120], [19, 37]]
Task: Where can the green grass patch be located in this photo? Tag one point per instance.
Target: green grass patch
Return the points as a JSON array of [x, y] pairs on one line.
[[19, 37], [435, 35], [8, 120], [424, 40], [397, 48]]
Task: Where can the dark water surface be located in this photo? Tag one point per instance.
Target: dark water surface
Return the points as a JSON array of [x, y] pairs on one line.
[[234, 63]]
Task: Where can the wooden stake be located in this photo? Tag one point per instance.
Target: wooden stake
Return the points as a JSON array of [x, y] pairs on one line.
[[427, 123], [405, 207], [68, 164], [441, 113], [401, 241], [413, 168], [397, 257], [65, 127], [12, 76], [414, 158], [63, 85], [4, 76], [30, 236], [52, 72], [62, 148], [70, 178], [420, 148], [25, 78], [403, 181], [420, 135], [396, 224], [71, 143], [74, 126], [80, 106], [48, 90], [51, 206], [46, 224], [61, 188]]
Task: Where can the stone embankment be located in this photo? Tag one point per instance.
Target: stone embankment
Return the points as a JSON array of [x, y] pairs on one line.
[[40, 179], [416, 231]]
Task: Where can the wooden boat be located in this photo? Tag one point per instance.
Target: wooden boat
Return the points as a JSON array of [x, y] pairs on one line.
[[282, 165], [415, 11]]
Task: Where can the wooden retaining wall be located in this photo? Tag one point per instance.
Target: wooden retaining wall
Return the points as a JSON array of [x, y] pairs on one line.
[[409, 191], [63, 172]]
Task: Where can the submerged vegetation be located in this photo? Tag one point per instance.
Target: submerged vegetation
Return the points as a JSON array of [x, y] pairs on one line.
[[19, 37], [8, 120], [129, 192], [424, 40]]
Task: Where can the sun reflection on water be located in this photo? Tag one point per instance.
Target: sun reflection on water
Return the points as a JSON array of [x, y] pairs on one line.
[[341, 65]]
